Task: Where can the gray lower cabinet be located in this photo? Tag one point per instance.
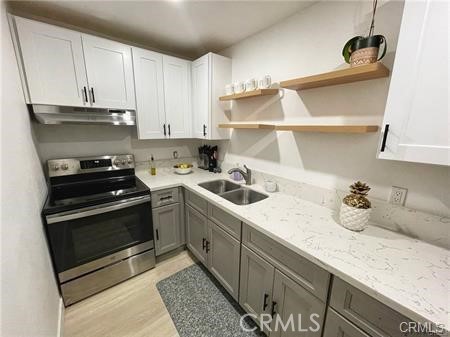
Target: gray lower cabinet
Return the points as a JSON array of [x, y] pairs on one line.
[[369, 314], [196, 233], [223, 255], [167, 228], [266, 290], [256, 284], [338, 326], [292, 300]]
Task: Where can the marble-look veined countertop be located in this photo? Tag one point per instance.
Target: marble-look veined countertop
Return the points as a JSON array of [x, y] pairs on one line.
[[410, 276]]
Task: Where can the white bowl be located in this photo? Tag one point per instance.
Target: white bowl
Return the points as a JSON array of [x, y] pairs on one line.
[[183, 170]]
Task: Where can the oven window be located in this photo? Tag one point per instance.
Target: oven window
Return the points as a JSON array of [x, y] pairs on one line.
[[78, 241]]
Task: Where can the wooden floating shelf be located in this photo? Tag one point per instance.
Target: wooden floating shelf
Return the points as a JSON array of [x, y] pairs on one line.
[[329, 128], [248, 94], [246, 126], [305, 128], [355, 74]]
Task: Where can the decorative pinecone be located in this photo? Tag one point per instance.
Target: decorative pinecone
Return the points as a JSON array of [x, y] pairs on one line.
[[357, 198], [359, 188]]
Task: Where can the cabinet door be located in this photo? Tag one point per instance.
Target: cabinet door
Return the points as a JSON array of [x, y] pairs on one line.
[[149, 82], [292, 300], [177, 96], [223, 258], [166, 227], [110, 73], [417, 110], [201, 97], [338, 326], [256, 283], [53, 62], [196, 232]]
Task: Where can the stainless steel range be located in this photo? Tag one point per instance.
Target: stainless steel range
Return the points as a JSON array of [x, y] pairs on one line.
[[98, 223]]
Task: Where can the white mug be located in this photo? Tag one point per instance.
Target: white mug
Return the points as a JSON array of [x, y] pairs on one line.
[[238, 87], [229, 90], [265, 82], [250, 85], [270, 186]]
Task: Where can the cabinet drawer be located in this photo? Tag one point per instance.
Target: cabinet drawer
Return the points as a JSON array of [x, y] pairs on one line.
[[226, 221], [338, 326], [197, 202], [165, 197], [366, 312], [307, 274]]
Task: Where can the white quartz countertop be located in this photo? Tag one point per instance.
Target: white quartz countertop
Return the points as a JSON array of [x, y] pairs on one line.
[[410, 276]]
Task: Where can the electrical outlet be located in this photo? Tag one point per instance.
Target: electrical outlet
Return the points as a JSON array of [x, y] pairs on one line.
[[398, 195]]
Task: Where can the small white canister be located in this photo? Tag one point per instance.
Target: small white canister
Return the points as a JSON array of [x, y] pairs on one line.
[[270, 186]]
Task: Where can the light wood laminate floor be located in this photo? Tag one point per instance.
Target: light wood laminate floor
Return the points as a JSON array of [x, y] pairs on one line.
[[133, 308]]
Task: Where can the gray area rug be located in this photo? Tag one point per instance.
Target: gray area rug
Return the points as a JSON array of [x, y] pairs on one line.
[[200, 306]]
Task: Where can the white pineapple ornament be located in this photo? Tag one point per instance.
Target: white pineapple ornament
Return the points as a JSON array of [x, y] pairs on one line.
[[356, 208]]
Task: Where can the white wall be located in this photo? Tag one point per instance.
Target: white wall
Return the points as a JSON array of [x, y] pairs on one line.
[[29, 295], [67, 141], [310, 42]]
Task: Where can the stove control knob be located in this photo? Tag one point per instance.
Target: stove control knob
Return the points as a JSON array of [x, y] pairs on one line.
[[124, 161], [130, 161], [55, 167], [64, 166], [117, 162]]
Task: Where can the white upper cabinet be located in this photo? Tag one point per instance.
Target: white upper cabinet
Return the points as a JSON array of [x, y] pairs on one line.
[[53, 63], [110, 73], [148, 76], [200, 97], [65, 67], [177, 96], [417, 118], [210, 74]]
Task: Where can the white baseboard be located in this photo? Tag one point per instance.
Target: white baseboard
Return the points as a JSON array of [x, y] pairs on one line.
[[60, 332]]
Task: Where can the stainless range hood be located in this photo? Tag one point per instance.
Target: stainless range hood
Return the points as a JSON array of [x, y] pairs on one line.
[[52, 114]]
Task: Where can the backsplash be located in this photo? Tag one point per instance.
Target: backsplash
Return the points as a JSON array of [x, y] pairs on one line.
[[67, 141], [400, 219]]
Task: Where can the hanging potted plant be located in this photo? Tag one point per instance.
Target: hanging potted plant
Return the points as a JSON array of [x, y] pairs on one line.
[[355, 208], [362, 50]]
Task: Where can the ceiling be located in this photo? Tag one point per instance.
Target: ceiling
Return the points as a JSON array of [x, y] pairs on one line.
[[180, 27]]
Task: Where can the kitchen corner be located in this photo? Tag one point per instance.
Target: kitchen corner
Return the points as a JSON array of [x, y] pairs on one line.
[[404, 273]]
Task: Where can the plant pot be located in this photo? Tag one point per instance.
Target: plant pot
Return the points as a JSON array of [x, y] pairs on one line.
[[360, 50], [355, 219]]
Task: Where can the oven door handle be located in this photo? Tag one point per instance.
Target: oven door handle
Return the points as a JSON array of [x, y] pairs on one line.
[[103, 208]]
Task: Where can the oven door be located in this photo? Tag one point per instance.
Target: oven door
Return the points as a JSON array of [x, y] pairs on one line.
[[90, 238]]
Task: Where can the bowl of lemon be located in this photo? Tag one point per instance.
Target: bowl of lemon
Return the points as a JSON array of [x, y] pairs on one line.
[[183, 168]]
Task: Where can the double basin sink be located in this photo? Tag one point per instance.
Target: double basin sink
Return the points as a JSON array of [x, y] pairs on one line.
[[233, 192]]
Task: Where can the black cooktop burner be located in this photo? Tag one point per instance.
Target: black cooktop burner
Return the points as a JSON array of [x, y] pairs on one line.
[[74, 195]]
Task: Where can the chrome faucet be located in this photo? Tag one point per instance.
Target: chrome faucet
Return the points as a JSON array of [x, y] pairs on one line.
[[247, 175]]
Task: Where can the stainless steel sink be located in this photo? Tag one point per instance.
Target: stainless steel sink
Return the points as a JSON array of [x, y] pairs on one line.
[[243, 196], [219, 186]]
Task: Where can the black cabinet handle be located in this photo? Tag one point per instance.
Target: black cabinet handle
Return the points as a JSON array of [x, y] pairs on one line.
[[169, 129], [383, 143], [203, 243], [207, 247], [204, 130], [164, 199], [164, 128], [93, 96], [273, 313], [85, 94], [265, 304], [157, 235]]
